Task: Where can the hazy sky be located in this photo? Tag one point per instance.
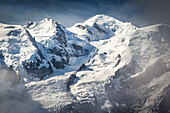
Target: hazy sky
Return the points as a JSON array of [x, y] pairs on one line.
[[69, 12]]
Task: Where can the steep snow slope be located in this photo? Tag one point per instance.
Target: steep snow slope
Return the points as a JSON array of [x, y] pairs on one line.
[[52, 39], [19, 51]]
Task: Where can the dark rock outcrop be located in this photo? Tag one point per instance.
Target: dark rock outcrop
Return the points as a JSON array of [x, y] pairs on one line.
[[84, 28], [79, 51], [98, 28]]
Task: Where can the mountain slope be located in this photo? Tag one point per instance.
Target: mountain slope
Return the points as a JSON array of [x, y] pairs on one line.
[[20, 52], [52, 39]]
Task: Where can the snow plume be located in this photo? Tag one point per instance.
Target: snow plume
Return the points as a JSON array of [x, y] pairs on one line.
[[14, 97]]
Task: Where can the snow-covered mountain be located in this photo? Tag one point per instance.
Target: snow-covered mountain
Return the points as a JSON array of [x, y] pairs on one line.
[[101, 65], [40, 48], [97, 28]]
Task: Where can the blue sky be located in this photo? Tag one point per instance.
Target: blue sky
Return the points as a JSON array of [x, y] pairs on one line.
[[69, 12]]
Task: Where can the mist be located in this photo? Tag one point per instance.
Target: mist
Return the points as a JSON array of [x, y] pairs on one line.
[[14, 97]]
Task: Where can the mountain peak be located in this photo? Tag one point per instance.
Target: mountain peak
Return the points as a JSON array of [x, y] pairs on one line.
[[99, 27], [48, 19], [101, 19]]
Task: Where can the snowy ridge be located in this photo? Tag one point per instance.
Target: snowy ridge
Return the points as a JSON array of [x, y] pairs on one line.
[[97, 28], [17, 47], [51, 39]]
